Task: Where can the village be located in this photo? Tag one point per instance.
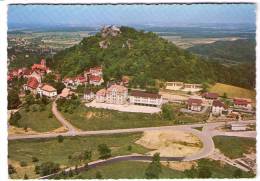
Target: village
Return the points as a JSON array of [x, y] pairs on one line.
[[117, 95]]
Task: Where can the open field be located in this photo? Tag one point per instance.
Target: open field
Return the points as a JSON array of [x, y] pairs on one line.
[[38, 121], [234, 147], [102, 119], [170, 143], [189, 42], [232, 91], [52, 150], [136, 170]]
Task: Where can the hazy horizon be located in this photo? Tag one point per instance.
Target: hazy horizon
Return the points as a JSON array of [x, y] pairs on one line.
[[173, 15]]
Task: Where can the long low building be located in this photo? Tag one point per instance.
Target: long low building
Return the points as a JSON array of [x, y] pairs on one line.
[[144, 98]]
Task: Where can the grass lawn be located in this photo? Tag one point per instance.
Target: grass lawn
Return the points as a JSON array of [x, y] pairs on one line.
[[219, 170], [102, 119], [234, 147], [38, 120], [232, 91], [127, 170], [136, 170], [51, 150]]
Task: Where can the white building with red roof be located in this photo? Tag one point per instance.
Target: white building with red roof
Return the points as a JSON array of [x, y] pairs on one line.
[[194, 104], [218, 107], [144, 98], [69, 82], [97, 71], [41, 67], [47, 90], [240, 103], [32, 85], [94, 75], [66, 93], [95, 80], [81, 80]]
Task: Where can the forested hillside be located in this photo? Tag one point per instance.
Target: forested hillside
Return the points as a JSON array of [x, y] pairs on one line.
[[242, 50], [146, 57]]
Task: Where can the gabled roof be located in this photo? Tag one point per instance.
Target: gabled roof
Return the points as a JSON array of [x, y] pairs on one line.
[[48, 88], [81, 79], [32, 82], [95, 78], [192, 101], [218, 103], [238, 101], [101, 92], [210, 95]]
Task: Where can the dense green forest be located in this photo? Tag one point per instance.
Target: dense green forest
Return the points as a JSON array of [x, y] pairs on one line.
[[146, 57], [242, 50]]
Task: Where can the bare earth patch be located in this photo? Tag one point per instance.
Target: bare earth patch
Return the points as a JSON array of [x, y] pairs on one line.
[[21, 171], [60, 130], [12, 130], [89, 115], [170, 143], [180, 166]]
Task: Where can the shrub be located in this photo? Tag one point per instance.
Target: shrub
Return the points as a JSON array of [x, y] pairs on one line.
[[154, 168], [25, 177], [104, 151], [23, 163], [60, 138], [11, 169], [15, 118], [34, 108], [35, 159], [129, 148], [50, 115], [47, 168]]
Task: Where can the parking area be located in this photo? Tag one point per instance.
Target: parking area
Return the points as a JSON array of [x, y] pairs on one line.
[[124, 108]]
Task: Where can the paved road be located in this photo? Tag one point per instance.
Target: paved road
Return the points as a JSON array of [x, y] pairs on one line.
[[209, 129], [62, 120], [97, 163]]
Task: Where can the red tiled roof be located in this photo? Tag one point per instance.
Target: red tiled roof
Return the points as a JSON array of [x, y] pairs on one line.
[[210, 95], [138, 93], [32, 82], [241, 102], [27, 72], [38, 66], [218, 103], [81, 79], [48, 88], [192, 101], [95, 78]]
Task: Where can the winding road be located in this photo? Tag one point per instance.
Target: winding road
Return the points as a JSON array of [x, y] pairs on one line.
[[208, 131]]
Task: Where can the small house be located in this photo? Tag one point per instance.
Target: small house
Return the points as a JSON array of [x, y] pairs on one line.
[[194, 104]]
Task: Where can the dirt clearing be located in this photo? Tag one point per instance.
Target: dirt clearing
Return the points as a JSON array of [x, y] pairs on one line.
[[170, 143]]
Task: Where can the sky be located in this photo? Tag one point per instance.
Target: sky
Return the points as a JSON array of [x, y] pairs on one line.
[[161, 15]]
